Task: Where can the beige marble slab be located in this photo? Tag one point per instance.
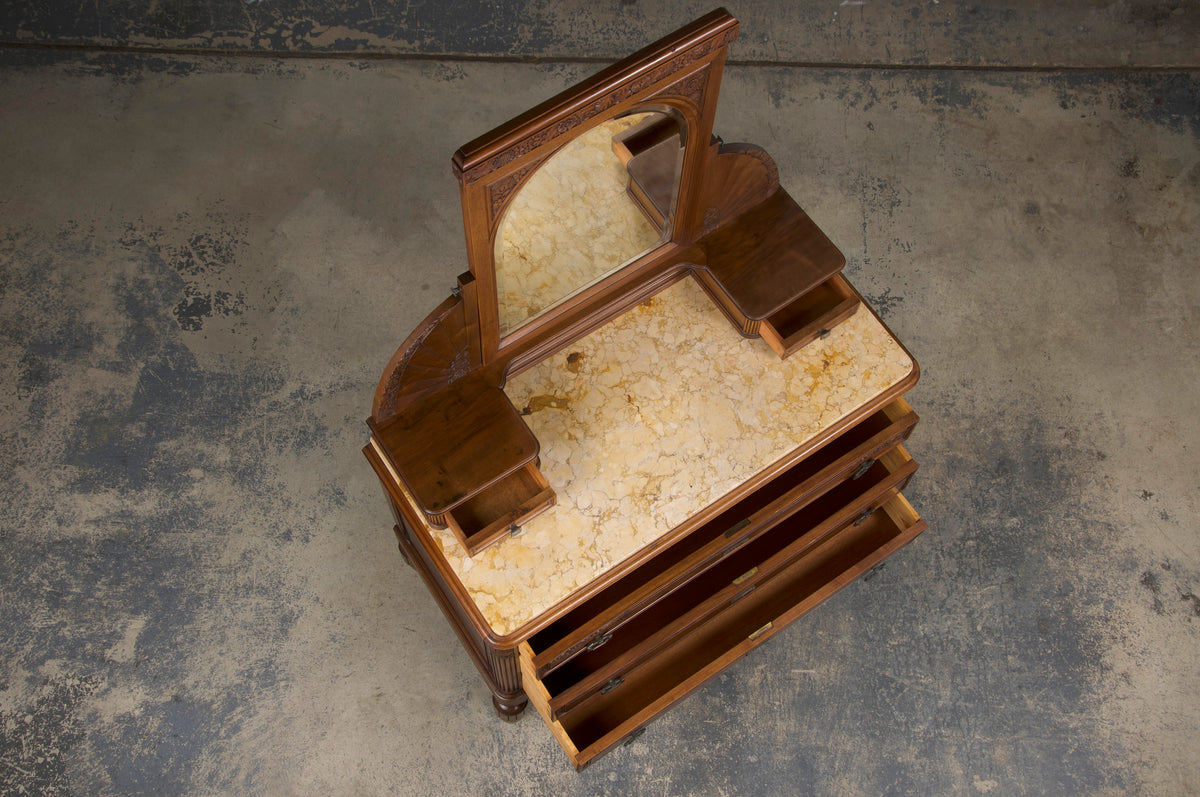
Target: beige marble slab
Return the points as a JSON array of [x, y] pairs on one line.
[[650, 419]]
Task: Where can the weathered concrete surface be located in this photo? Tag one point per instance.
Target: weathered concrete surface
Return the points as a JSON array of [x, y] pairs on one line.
[[204, 263], [974, 32]]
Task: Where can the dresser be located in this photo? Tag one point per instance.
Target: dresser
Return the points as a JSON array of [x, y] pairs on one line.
[[653, 424]]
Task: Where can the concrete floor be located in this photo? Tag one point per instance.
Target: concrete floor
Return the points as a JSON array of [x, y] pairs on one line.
[[205, 261]]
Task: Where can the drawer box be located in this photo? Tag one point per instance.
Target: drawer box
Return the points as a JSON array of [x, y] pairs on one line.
[[588, 624], [707, 638], [600, 666], [810, 316], [486, 517]]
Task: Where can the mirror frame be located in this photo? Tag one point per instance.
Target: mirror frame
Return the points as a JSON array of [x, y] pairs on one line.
[[682, 72]]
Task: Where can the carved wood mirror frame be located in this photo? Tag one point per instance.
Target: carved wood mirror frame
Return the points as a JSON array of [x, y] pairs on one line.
[[681, 73]]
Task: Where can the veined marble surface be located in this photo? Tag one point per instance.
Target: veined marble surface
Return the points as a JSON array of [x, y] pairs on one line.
[[570, 225], [648, 420]]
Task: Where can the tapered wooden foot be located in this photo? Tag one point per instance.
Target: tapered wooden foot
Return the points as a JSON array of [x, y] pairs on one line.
[[510, 708]]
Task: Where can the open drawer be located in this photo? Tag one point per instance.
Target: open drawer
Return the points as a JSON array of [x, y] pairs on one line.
[[497, 510], [791, 587], [848, 458], [601, 666], [810, 316]]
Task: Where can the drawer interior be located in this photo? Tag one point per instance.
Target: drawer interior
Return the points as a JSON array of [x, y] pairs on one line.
[[794, 490], [488, 516], [689, 660], [725, 582], [802, 321]]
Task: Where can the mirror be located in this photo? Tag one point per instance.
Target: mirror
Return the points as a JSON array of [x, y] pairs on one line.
[[584, 204], [601, 201]]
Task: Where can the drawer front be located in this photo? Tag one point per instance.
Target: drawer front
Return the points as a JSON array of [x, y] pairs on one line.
[[732, 579], [782, 592], [848, 458]]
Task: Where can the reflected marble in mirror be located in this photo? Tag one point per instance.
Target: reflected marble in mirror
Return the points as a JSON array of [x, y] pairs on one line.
[[601, 201]]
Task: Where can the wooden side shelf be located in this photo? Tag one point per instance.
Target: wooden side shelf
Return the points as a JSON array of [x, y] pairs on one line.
[[810, 316], [770, 256], [469, 460]]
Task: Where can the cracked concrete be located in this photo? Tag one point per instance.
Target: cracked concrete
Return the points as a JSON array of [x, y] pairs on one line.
[[205, 261]]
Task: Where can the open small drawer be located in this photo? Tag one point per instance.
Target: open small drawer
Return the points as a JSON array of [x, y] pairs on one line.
[[496, 511], [809, 317], [600, 696]]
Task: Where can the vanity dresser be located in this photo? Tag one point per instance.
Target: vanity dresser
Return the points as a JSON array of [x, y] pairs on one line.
[[653, 424]]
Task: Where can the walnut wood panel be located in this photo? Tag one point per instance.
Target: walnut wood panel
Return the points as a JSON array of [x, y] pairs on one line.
[[498, 665], [769, 256], [739, 177], [453, 443], [440, 351]]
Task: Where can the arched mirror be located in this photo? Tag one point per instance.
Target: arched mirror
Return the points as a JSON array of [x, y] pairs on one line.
[[603, 200], [579, 206]]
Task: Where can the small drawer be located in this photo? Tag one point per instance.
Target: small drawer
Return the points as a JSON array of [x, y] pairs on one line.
[[810, 316], [593, 624], [488, 516], [787, 587], [601, 667]]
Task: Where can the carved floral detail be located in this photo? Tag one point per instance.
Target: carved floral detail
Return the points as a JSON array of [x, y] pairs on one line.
[[501, 191], [613, 98], [439, 341], [691, 88]]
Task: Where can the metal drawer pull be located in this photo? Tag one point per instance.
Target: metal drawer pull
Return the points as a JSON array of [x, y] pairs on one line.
[[863, 517], [749, 574], [611, 685], [761, 631], [736, 527], [862, 469], [631, 738], [599, 641]]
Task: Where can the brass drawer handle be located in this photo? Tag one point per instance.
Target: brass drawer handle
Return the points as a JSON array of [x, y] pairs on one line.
[[862, 469], [611, 685], [756, 634], [749, 574], [600, 641], [736, 527]]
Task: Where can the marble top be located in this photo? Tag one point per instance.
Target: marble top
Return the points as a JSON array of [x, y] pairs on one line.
[[648, 420]]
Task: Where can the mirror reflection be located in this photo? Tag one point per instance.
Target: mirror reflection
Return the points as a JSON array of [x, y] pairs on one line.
[[603, 200]]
